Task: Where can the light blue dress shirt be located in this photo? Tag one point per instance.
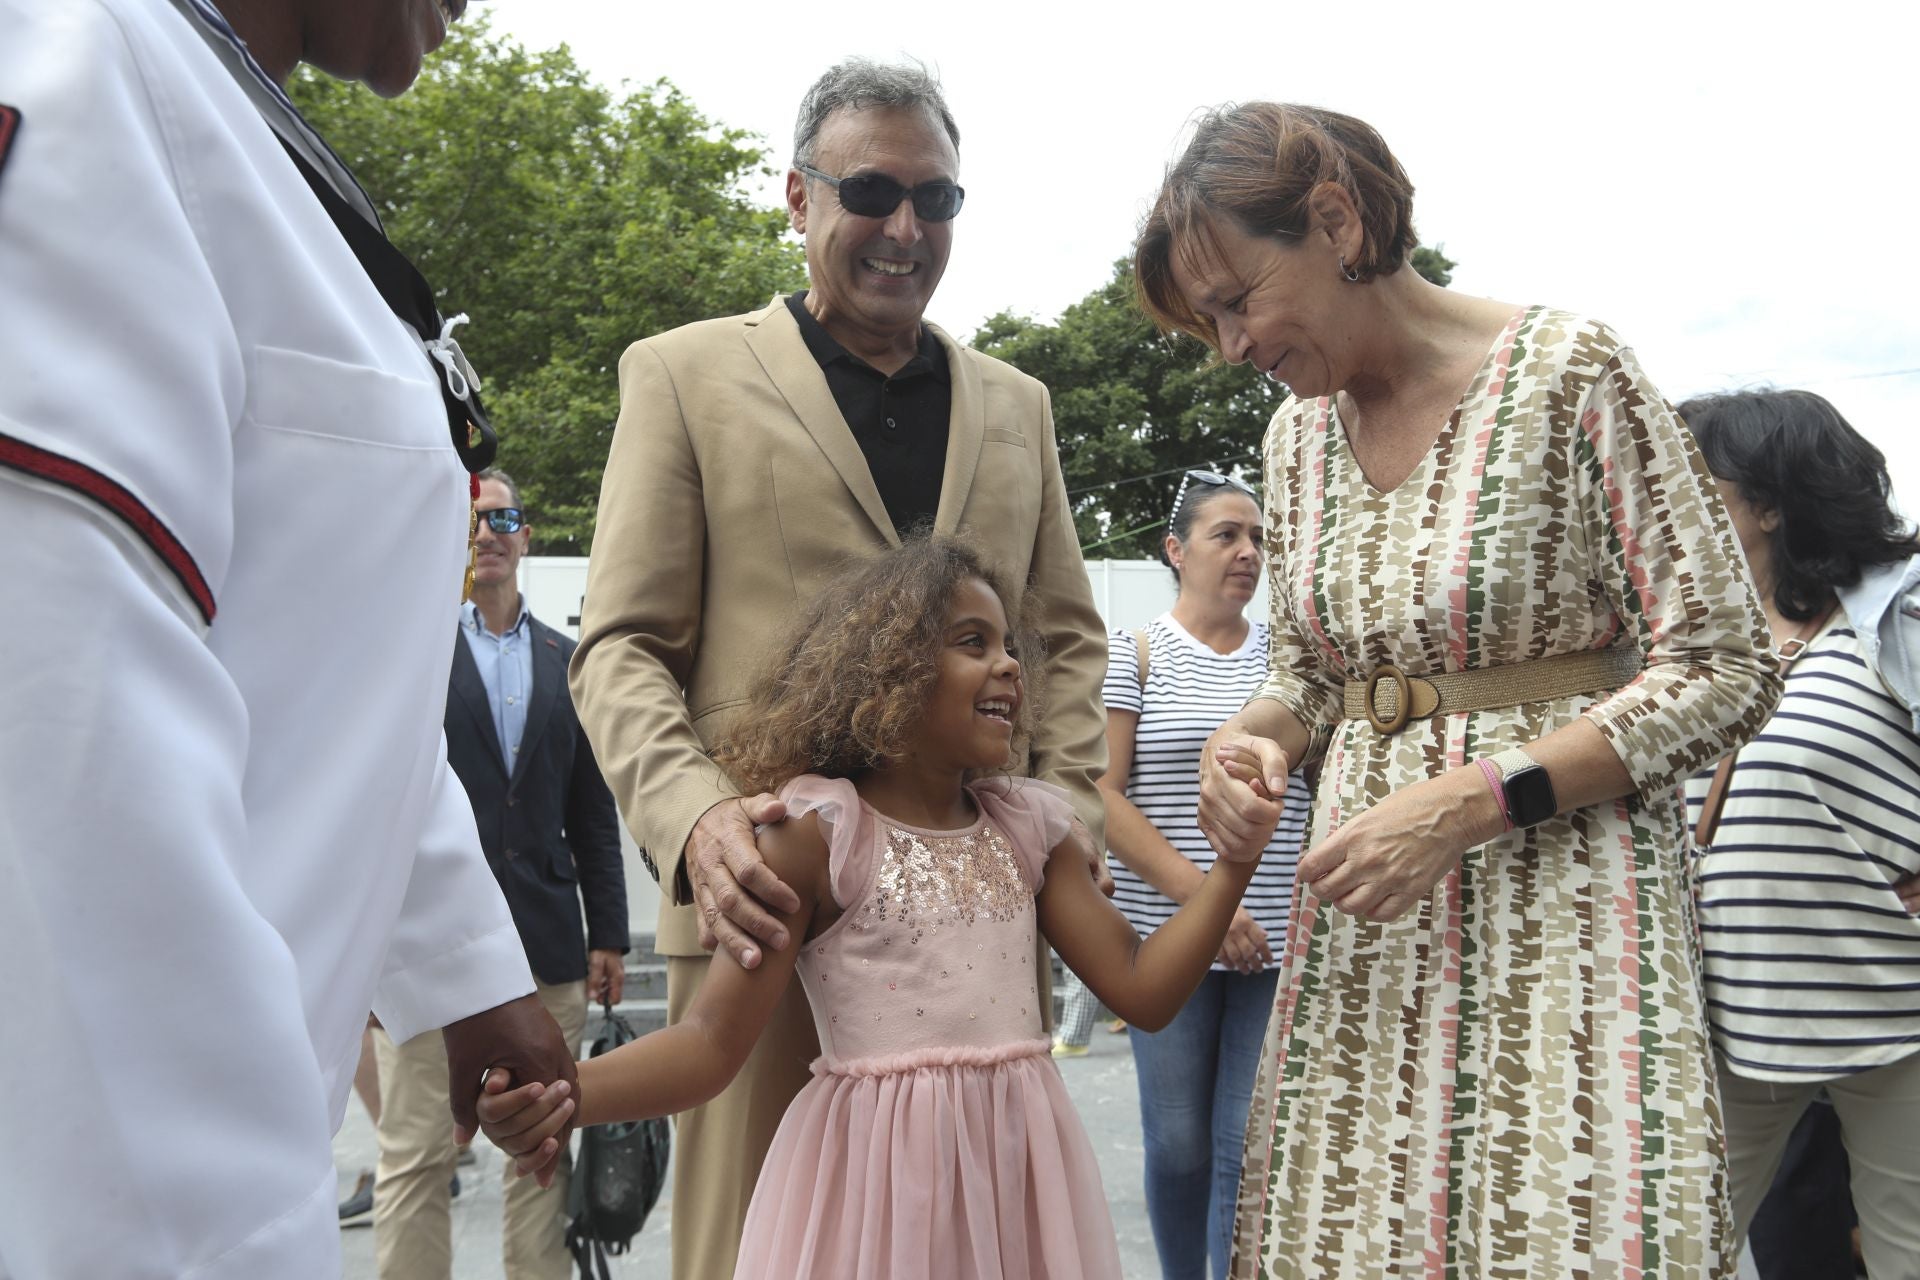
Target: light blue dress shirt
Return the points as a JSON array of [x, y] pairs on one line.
[[506, 669]]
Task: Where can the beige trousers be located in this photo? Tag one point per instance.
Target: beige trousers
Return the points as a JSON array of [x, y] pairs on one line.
[[412, 1213], [1879, 1114], [718, 1148]]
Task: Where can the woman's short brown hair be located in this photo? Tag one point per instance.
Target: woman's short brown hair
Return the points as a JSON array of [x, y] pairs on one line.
[[1258, 164]]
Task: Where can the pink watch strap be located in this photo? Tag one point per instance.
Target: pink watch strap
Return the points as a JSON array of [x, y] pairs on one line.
[[1499, 786]]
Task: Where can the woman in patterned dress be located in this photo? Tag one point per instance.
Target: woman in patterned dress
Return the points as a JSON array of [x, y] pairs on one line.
[[1488, 1057]]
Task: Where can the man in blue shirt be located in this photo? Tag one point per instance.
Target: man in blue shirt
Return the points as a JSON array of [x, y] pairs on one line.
[[551, 834]]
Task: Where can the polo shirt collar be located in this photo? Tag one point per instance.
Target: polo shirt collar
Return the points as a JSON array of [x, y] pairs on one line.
[[827, 349]]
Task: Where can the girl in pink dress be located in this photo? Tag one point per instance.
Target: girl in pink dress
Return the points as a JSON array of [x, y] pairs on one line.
[[936, 1138]]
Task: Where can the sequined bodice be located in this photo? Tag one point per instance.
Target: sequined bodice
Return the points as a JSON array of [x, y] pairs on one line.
[[938, 950]]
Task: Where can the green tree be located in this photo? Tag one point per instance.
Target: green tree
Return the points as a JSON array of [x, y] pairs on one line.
[[1134, 409], [567, 221]]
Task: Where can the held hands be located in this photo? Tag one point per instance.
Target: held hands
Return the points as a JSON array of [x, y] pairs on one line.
[[730, 881], [520, 1039], [1241, 781], [527, 1122], [1386, 861]]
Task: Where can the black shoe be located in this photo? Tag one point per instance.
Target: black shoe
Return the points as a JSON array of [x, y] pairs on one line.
[[453, 1188], [357, 1209]]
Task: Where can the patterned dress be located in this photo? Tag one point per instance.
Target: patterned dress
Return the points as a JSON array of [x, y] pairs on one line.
[[1514, 1079]]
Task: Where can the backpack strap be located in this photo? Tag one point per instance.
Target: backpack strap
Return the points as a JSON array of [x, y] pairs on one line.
[[1142, 655]]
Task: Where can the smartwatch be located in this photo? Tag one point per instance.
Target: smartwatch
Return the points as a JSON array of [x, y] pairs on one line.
[[1530, 799]]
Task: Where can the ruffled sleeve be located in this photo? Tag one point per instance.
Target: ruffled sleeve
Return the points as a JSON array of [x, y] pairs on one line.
[[845, 822], [1035, 815]]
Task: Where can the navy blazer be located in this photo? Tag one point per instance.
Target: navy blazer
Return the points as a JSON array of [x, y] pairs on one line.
[[548, 826]]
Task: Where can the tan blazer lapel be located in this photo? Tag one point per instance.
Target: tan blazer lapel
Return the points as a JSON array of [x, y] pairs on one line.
[[966, 431], [774, 338]]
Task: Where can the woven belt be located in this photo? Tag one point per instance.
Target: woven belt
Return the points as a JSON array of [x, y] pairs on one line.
[[1390, 699]]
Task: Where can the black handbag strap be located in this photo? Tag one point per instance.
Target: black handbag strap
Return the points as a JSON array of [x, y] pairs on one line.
[[409, 296], [591, 1255]]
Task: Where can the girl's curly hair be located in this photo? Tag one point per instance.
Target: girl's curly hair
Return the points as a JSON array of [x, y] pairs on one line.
[[848, 689]]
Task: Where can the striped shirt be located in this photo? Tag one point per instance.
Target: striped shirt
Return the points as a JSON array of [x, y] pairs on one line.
[[1191, 691], [1812, 964]]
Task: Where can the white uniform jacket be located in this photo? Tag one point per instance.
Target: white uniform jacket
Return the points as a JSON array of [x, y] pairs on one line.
[[234, 532]]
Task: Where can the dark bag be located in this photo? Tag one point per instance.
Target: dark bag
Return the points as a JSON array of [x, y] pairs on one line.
[[618, 1176]]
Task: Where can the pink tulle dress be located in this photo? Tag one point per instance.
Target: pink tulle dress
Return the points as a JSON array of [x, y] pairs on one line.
[[936, 1139]]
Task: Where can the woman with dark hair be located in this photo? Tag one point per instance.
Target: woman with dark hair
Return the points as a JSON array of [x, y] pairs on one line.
[[1507, 605], [1168, 688], [1809, 836]]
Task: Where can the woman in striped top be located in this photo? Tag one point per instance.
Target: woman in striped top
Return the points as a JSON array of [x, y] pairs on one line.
[[1810, 882], [1204, 659]]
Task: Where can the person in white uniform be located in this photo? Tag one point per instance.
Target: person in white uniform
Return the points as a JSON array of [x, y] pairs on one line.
[[227, 825]]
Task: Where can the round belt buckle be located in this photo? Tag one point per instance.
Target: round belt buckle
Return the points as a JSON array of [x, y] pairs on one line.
[[1387, 671]]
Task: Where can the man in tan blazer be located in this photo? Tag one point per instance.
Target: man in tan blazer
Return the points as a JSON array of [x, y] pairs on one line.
[[755, 455]]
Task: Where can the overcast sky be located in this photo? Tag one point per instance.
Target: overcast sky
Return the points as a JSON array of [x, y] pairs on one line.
[[1733, 187]]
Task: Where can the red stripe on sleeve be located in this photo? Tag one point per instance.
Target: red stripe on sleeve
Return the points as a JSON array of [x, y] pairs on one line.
[[42, 464]]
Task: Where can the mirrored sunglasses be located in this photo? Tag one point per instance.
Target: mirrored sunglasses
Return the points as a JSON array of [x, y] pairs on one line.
[[875, 195], [502, 519], [1211, 480]]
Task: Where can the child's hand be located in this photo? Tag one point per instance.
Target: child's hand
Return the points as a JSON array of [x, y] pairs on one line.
[[1243, 765], [522, 1122], [1245, 948]]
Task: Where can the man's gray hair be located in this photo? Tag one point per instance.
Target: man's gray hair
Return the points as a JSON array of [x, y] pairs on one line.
[[513, 487], [861, 83]]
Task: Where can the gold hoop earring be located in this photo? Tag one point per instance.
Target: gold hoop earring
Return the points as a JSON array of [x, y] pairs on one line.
[[1352, 276]]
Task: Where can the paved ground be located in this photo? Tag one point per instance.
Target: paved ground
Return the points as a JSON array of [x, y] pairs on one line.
[[1102, 1085]]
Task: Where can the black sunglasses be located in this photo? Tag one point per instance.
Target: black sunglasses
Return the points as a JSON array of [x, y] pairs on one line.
[[875, 195], [1212, 480], [502, 519]]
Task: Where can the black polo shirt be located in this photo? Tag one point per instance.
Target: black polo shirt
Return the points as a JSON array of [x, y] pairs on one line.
[[900, 422]]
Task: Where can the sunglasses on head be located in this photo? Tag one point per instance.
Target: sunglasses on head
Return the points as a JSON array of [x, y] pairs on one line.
[[502, 519], [875, 195], [1211, 480]]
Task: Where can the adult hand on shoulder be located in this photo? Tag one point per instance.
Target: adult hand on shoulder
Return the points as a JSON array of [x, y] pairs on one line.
[[606, 976], [1386, 861], [732, 886], [1239, 777], [521, 1038], [1246, 948], [1096, 860]]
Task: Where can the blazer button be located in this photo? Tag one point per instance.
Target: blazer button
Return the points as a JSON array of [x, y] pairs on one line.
[[509, 854], [510, 802]]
